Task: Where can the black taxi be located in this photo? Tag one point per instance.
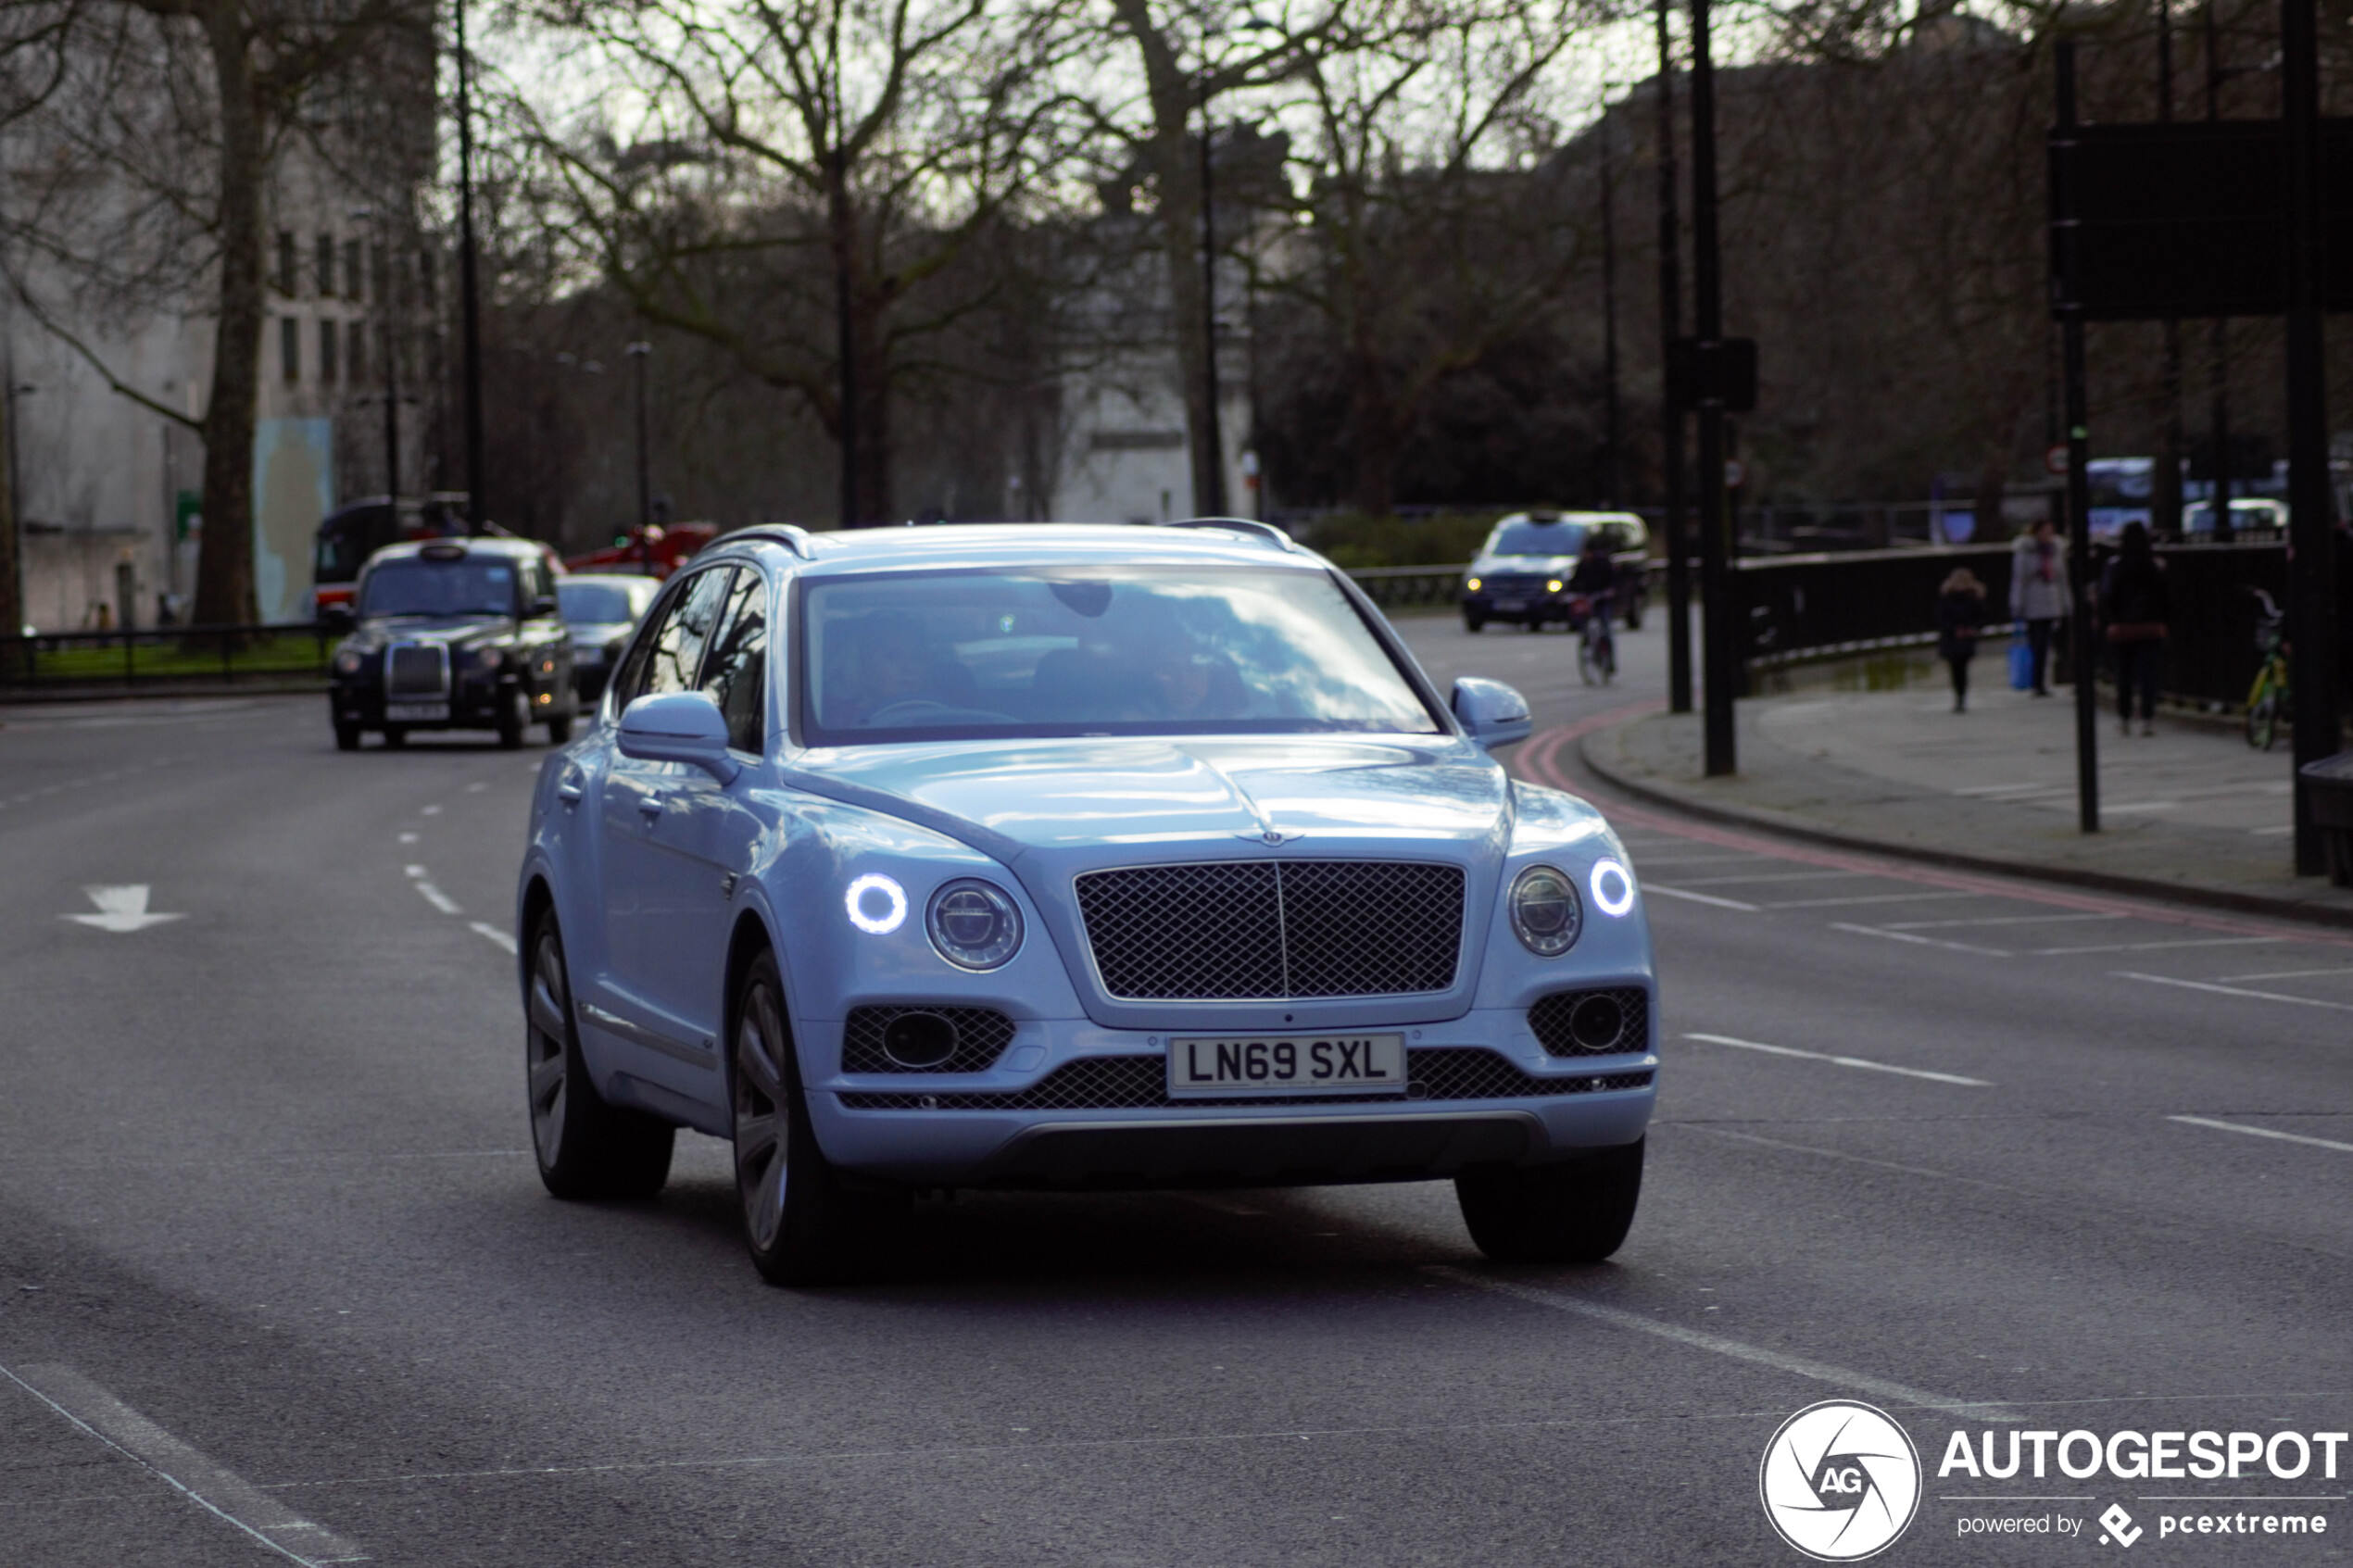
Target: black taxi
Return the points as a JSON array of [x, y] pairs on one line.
[[453, 634]]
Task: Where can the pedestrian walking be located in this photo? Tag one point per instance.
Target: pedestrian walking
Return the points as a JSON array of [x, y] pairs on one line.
[[2039, 593], [1960, 610], [2136, 606]]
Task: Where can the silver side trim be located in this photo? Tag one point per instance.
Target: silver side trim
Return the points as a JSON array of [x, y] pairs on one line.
[[638, 1034]]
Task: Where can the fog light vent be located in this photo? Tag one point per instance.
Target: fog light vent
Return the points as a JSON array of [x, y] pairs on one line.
[[1592, 1022], [924, 1039]]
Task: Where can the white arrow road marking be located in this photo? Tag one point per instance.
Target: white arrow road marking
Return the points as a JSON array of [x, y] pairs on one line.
[[120, 908]]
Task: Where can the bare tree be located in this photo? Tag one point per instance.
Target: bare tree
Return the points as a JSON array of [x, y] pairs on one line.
[[158, 150]]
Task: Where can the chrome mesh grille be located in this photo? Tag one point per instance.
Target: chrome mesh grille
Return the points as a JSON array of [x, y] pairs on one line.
[[1549, 1020], [1274, 930], [416, 670], [1128, 1083], [982, 1035]]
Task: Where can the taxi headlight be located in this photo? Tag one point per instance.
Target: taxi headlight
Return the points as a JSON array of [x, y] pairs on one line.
[[1546, 914], [973, 923], [1472, 584], [488, 658], [349, 663], [1553, 586]]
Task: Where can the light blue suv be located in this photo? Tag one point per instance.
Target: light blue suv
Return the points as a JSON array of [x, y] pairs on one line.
[[1063, 856]]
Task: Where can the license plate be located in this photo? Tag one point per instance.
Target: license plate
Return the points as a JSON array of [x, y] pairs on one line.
[[415, 710], [1509, 605], [1238, 1066]]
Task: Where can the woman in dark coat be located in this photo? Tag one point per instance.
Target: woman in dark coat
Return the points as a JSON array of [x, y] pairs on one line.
[[1960, 610], [2134, 603]]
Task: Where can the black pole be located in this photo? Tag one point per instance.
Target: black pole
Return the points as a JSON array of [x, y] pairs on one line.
[[2219, 410], [642, 351], [2079, 481], [477, 488], [1670, 323], [1611, 435], [1720, 649], [844, 339], [2311, 610], [2168, 493], [1213, 504], [388, 304]]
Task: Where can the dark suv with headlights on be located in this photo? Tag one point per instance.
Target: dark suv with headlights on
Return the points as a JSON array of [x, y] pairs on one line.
[[454, 635]]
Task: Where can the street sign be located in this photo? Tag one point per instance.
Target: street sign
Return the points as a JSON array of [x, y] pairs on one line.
[[2055, 458], [1735, 473]]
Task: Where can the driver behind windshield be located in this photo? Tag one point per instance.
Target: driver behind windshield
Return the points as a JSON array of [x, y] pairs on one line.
[[882, 661], [421, 587]]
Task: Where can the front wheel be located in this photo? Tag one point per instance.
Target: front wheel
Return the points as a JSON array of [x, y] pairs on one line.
[[1585, 660], [1473, 623], [801, 1225], [513, 716], [346, 737], [586, 1147], [2263, 718], [559, 728], [1578, 1211]]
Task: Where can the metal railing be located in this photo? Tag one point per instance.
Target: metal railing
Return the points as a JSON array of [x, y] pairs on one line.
[[282, 655], [1393, 587]]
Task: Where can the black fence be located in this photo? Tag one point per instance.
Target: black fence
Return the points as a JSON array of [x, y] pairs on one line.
[[1796, 608], [62, 661]]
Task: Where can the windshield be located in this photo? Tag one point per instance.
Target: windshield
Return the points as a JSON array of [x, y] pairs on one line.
[[415, 585], [1094, 651], [597, 604], [1536, 539]]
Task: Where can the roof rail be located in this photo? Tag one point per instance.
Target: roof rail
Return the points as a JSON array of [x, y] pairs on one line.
[[1265, 531], [791, 534]]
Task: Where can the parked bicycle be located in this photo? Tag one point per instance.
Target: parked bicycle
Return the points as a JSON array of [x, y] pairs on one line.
[[1596, 648], [2267, 698]]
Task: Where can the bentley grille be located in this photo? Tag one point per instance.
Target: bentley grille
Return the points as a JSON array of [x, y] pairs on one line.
[[1274, 930]]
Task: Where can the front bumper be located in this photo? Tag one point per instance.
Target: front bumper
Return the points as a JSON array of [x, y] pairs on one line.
[[472, 705], [1486, 1093]]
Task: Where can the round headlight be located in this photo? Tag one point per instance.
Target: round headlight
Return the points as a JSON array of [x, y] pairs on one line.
[[1472, 584], [877, 904], [1613, 887], [348, 663], [489, 658], [1546, 915], [973, 923]]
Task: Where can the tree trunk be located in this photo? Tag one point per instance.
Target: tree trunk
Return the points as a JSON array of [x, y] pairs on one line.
[[224, 562], [11, 579], [1372, 418], [1175, 96]]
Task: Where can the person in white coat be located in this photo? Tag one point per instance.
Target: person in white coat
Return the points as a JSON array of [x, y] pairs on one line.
[[2039, 593]]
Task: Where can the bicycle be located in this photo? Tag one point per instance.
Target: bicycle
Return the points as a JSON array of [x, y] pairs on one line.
[[1596, 648], [2267, 698]]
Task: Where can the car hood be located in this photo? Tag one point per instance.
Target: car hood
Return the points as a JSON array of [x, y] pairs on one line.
[[1533, 566], [455, 631], [1079, 800]]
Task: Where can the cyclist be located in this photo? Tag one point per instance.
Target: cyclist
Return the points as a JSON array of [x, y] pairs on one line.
[[1595, 582]]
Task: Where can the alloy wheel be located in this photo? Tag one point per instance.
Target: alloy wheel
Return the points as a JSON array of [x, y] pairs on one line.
[[762, 1117], [550, 1007]]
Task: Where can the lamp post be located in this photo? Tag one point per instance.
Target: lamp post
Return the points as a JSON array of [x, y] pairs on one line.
[[1670, 324], [1210, 477], [477, 489], [638, 353], [1612, 448], [1720, 653], [385, 293]]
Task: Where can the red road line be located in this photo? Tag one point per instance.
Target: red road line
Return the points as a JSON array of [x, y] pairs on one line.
[[1538, 761]]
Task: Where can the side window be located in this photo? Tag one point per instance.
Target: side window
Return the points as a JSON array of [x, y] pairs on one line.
[[736, 674], [679, 642]]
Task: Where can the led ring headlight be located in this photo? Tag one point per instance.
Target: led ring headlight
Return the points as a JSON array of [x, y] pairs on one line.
[[1613, 887], [1545, 914], [974, 924], [877, 904]]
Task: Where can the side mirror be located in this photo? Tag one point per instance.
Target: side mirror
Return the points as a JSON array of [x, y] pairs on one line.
[[338, 617], [543, 605], [1495, 714], [679, 727]]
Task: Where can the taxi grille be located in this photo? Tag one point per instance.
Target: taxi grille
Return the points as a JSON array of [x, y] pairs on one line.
[[1129, 1083], [416, 670], [982, 1035], [1274, 930]]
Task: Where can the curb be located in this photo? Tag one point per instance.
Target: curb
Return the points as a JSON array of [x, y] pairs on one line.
[[1952, 860], [31, 696]]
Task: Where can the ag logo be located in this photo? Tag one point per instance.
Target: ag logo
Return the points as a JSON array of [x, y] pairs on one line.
[[1840, 1481]]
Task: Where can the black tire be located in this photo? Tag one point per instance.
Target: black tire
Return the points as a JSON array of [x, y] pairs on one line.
[[1533, 624], [1473, 623], [2263, 721], [803, 1225], [1575, 1212], [1634, 614], [559, 728], [586, 1147], [515, 717], [395, 735], [346, 737]]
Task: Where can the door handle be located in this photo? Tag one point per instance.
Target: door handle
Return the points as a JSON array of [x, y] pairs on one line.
[[568, 790], [651, 805]]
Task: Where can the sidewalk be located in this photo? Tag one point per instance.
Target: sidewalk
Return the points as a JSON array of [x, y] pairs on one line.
[[2188, 813]]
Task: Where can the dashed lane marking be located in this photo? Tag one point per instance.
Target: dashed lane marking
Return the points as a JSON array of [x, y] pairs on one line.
[[1865, 898], [433, 895], [1699, 898], [2289, 974], [2153, 946], [1919, 941], [1992, 920], [1756, 1355], [1842, 1060], [220, 1492], [491, 933], [2234, 990], [410, 838], [429, 811], [2338, 1145]]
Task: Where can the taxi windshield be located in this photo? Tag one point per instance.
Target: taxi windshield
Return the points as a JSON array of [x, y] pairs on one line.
[[1101, 651], [420, 585], [1529, 538]]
